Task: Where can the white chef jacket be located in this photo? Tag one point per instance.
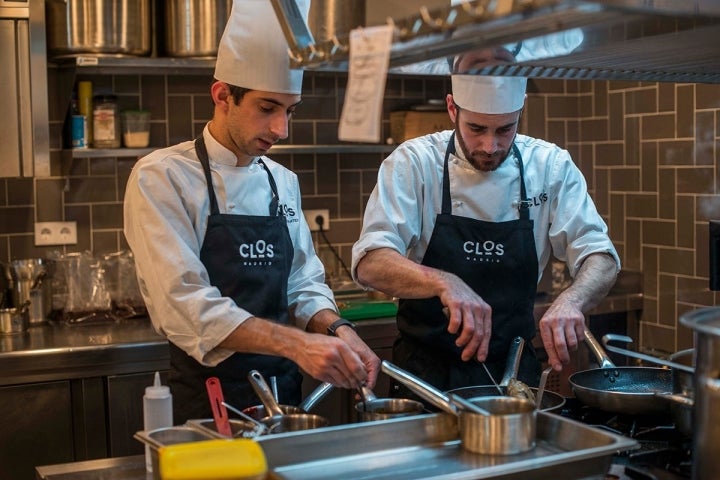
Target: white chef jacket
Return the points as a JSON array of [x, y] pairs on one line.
[[166, 213], [402, 208]]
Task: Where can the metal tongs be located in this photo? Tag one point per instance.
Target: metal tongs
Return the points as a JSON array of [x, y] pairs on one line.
[[259, 428]]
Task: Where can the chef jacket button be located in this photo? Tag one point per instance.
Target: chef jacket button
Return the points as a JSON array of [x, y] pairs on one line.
[[231, 206]]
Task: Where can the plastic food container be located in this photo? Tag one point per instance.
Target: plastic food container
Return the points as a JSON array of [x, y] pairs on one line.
[[136, 128], [184, 453]]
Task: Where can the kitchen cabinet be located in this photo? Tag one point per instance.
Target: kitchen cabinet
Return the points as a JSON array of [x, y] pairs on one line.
[[70, 420], [38, 428], [24, 131]]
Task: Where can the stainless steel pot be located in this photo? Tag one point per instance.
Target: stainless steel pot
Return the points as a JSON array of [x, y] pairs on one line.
[[372, 408], [328, 18], [510, 427], [278, 421], [31, 279], [258, 412], [194, 27], [115, 27], [14, 320], [705, 323]]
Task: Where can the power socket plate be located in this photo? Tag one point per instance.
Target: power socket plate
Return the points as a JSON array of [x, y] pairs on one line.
[[311, 215], [55, 233]]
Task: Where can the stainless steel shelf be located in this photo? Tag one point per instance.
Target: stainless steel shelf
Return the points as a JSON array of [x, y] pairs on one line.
[[278, 149], [130, 65]]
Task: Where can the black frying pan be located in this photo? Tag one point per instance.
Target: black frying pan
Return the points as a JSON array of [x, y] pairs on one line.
[[628, 390]]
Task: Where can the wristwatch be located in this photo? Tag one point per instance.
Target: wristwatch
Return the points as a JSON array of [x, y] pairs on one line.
[[337, 324]]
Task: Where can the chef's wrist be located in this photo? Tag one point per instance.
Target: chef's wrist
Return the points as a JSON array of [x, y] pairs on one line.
[[339, 325]]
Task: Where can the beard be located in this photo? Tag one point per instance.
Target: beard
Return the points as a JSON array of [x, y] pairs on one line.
[[480, 160]]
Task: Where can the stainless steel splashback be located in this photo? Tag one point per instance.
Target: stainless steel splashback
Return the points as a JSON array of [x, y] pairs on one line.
[[661, 40]]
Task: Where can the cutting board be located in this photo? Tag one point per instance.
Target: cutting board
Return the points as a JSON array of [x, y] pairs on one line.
[[367, 309]]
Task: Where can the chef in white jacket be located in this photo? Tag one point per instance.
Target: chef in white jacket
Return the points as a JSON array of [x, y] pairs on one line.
[[224, 257], [460, 227]]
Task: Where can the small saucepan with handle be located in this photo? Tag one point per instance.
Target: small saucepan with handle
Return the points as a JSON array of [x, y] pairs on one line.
[[278, 421], [372, 408], [499, 425], [551, 401]]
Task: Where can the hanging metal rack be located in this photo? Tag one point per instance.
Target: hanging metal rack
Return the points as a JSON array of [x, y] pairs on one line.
[[669, 40]]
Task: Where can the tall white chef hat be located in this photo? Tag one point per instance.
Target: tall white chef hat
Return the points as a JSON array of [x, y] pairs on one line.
[[253, 52]]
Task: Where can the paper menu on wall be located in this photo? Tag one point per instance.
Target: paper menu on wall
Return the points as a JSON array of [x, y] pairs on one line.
[[368, 65]]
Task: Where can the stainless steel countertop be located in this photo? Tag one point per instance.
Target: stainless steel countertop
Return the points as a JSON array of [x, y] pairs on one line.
[[56, 350]]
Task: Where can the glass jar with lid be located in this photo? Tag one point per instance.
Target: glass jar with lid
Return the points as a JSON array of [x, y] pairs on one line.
[[106, 122]]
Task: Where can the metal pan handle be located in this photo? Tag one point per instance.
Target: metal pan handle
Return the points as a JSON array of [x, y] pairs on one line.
[[594, 346], [419, 387], [610, 337], [263, 391], [513, 361], [315, 396]]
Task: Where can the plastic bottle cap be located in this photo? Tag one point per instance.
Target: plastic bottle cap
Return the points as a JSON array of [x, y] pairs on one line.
[[157, 390]]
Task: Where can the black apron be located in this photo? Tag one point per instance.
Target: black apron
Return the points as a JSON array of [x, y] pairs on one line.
[[248, 258], [499, 262]]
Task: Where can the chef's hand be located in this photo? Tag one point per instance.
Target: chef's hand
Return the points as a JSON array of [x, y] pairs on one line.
[[367, 356], [332, 359], [561, 329], [469, 316]]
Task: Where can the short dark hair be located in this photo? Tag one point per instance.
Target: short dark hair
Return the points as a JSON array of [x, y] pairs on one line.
[[237, 92]]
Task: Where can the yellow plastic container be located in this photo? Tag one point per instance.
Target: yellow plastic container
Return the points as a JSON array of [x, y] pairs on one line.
[[238, 459]]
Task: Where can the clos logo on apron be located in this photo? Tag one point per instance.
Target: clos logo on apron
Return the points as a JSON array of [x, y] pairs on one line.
[[258, 253], [487, 251]]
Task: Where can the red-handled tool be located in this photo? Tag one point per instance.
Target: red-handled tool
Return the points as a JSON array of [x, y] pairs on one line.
[[216, 404]]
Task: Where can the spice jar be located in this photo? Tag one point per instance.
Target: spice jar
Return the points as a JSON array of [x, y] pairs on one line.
[[106, 122]]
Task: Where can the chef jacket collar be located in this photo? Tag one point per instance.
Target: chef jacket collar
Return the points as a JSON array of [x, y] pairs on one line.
[[218, 153]]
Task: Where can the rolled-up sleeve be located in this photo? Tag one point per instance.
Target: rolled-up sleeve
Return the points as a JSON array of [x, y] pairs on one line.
[[183, 305], [576, 229]]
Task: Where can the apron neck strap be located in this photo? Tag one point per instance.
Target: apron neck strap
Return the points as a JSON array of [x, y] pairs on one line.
[[273, 208], [524, 205]]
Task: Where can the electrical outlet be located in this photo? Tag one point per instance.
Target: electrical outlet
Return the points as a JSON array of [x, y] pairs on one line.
[[311, 215], [55, 233]]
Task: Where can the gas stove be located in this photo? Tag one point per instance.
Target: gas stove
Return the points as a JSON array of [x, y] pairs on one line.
[[664, 453]]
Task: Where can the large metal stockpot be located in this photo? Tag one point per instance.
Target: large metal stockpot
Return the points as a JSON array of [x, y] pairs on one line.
[[113, 27], [705, 323], [193, 27]]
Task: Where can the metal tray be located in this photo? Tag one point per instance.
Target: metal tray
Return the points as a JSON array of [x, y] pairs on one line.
[[428, 447]]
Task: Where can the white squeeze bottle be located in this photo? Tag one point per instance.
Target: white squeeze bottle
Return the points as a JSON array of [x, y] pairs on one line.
[[157, 411]]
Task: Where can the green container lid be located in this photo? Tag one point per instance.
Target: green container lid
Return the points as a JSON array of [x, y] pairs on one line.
[[365, 310]]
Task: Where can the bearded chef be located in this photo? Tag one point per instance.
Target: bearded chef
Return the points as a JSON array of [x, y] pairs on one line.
[[460, 227], [224, 257]]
